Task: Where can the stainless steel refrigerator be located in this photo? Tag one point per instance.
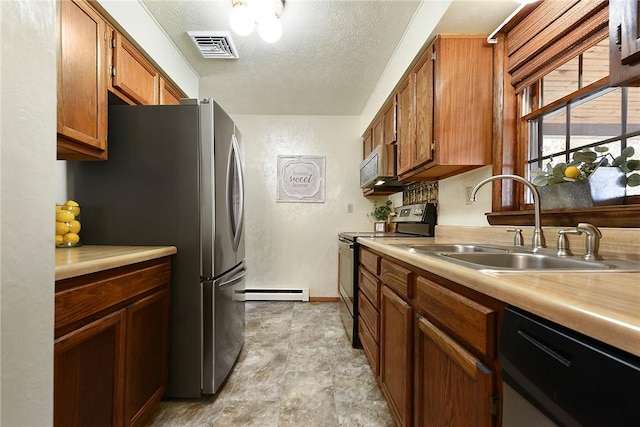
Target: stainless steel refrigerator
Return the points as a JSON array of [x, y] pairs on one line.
[[174, 177]]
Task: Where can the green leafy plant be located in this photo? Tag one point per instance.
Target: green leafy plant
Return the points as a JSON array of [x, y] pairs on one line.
[[584, 163], [381, 213]]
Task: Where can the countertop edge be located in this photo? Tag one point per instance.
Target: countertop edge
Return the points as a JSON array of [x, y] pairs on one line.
[[621, 330], [73, 262]]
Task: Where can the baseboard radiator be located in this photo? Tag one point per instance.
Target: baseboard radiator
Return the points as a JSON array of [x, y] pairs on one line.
[[277, 294]]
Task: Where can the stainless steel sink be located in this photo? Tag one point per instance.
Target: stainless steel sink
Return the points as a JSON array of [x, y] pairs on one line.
[[463, 248], [521, 261], [515, 259]]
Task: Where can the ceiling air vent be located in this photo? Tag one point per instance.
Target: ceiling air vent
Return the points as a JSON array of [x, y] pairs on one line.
[[214, 44]]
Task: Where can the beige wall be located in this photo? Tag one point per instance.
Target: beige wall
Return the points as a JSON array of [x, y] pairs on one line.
[[27, 159], [292, 245]]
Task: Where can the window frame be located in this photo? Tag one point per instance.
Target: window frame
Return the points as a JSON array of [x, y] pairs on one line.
[[511, 134]]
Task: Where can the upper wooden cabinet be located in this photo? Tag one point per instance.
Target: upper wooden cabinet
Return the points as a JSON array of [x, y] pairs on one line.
[[169, 95], [133, 77], [367, 142], [389, 121], [94, 59], [445, 118], [406, 124], [82, 82], [624, 42]]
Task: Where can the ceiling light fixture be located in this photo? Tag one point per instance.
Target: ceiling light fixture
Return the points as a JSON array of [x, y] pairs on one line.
[[246, 14]]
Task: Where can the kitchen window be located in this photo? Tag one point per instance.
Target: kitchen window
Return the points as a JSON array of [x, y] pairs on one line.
[[557, 100], [578, 110]]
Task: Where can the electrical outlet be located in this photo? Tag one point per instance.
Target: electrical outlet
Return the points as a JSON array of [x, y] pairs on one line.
[[467, 195], [349, 207]]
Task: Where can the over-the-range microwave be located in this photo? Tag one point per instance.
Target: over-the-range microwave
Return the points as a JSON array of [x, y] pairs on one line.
[[379, 167]]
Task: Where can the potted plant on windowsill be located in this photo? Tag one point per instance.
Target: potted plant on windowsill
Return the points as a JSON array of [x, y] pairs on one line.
[[593, 177], [381, 215]]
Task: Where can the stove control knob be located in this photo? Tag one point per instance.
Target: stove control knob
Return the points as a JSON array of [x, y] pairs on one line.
[[417, 212]]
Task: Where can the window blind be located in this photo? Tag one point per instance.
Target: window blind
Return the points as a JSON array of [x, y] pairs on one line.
[[551, 34]]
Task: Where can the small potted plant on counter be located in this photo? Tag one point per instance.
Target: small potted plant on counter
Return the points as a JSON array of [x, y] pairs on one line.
[[380, 215], [593, 177]]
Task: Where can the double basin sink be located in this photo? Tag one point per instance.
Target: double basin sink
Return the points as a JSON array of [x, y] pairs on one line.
[[516, 258]]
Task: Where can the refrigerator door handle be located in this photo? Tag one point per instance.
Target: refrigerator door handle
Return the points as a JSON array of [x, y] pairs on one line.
[[237, 222], [235, 279]]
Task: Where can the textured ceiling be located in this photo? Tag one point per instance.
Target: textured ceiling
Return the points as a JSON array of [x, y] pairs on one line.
[[330, 56]]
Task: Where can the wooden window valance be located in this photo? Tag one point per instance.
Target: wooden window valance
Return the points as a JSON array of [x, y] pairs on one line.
[[554, 32]]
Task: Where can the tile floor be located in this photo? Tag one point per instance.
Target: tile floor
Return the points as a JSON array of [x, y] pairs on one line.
[[297, 368]]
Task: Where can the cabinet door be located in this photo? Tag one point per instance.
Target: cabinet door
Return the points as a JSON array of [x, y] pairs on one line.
[[452, 387], [133, 78], [82, 82], [624, 42], [89, 374], [169, 95], [378, 132], [367, 143], [396, 334], [424, 110], [406, 124], [147, 346], [389, 121]]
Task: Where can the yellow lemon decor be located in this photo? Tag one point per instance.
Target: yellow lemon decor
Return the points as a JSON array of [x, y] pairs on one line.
[[68, 224], [571, 172]]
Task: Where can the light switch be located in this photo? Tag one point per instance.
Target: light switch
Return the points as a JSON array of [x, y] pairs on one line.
[[349, 207]]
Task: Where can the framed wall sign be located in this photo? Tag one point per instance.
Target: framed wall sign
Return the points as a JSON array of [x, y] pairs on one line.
[[301, 179]]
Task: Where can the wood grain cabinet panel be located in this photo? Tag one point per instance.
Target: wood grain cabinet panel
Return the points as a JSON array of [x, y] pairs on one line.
[[445, 118], [406, 135], [396, 344], [133, 77], [452, 387], [473, 323], [370, 286], [169, 95], [370, 347], [369, 315], [397, 278], [82, 82], [111, 345], [88, 377], [389, 120], [370, 260]]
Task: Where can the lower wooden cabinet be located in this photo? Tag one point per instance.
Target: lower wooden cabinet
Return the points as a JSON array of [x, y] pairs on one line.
[[437, 346], [111, 345], [146, 356], [88, 373], [396, 338], [452, 387]]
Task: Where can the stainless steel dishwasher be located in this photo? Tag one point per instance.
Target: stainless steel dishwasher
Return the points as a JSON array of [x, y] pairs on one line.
[[572, 379]]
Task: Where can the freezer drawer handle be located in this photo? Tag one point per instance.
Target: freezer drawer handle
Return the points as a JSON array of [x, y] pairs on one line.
[[234, 280]]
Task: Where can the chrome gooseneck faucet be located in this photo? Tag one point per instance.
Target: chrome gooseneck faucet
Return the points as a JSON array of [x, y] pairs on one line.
[[538, 236]]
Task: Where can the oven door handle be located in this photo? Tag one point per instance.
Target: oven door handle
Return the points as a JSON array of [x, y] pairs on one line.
[[346, 242]]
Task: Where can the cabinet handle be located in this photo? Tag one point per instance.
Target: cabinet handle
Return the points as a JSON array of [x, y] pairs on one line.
[[619, 36]]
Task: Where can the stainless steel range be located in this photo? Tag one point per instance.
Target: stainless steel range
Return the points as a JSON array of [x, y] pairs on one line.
[[417, 220]]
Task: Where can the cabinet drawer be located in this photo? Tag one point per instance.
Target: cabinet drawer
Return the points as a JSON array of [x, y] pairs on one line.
[[370, 315], [370, 260], [370, 286], [79, 298], [397, 278], [370, 347], [472, 322]]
